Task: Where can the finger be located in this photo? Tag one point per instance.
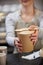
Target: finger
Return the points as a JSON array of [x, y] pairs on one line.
[[36, 30], [34, 41], [16, 41], [19, 45], [33, 38], [33, 28], [34, 34]]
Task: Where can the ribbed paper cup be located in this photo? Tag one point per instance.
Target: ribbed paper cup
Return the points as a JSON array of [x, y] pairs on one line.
[[2, 58]]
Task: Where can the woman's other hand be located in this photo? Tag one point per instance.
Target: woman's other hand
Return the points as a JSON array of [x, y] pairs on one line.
[[18, 45], [34, 36]]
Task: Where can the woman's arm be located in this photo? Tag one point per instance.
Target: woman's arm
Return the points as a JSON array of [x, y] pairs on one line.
[[10, 34], [10, 30]]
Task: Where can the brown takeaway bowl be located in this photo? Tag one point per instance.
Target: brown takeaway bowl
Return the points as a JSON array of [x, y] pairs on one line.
[[27, 44]]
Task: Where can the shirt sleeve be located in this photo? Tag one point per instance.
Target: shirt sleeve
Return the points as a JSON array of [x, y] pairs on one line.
[[10, 25]]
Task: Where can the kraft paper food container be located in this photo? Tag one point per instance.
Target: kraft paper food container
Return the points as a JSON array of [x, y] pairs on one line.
[[27, 45], [2, 59], [3, 49], [41, 52]]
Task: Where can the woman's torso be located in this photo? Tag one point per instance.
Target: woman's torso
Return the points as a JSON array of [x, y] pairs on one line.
[[22, 24]]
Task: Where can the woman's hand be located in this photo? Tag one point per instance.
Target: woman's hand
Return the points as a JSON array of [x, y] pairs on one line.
[[18, 45], [34, 36]]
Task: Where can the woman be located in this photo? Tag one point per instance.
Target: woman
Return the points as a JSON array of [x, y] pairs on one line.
[[25, 17]]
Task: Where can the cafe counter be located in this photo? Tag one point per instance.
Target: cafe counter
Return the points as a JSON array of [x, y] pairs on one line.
[[15, 59]]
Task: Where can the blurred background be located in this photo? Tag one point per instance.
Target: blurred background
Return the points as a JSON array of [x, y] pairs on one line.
[[8, 6], [11, 5]]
